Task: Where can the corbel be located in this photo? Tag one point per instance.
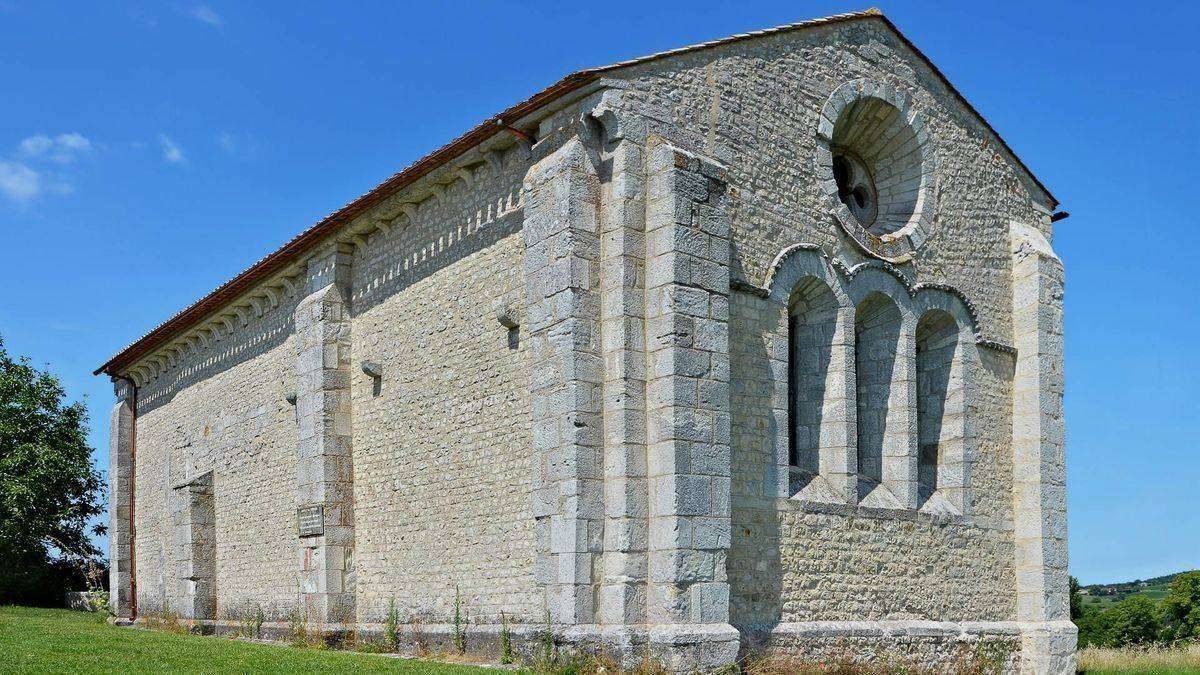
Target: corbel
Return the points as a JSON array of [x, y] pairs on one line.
[[466, 175], [524, 140], [508, 313], [495, 159], [410, 210], [375, 372]]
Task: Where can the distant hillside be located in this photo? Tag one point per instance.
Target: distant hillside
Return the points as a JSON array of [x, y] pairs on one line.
[[1103, 595]]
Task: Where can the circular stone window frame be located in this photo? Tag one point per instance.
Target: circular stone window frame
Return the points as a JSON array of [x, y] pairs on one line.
[[895, 247]]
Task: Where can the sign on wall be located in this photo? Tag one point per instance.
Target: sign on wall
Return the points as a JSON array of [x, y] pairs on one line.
[[310, 520]]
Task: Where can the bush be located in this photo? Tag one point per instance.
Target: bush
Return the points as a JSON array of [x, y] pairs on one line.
[[1134, 621], [1181, 608]]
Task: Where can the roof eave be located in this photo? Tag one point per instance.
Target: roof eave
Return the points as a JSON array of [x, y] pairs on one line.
[[492, 126]]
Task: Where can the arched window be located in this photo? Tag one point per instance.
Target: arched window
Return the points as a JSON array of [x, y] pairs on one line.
[[813, 387], [940, 409], [883, 427]]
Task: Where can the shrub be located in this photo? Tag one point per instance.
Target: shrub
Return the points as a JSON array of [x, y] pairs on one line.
[[460, 640], [506, 648], [391, 627], [1132, 621], [1181, 608]]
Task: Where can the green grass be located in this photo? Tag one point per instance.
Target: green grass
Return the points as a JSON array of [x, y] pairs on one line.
[[1103, 596], [1105, 601], [62, 641]]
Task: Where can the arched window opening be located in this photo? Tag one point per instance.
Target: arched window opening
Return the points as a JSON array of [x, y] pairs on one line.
[[812, 390], [940, 408], [883, 444]]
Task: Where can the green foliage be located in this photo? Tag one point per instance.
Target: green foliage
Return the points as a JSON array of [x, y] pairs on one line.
[[49, 489], [546, 659], [1104, 596], [1076, 599], [1090, 623], [1137, 618], [1181, 608], [61, 641], [98, 601], [298, 627], [256, 620], [1134, 621], [391, 627], [460, 640], [506, 649]]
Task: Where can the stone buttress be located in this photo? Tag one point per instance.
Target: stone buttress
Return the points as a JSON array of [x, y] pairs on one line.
[[627, 272], [324, 470], [1039, 480]]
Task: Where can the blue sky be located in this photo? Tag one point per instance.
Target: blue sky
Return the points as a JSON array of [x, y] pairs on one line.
[[150, 151]]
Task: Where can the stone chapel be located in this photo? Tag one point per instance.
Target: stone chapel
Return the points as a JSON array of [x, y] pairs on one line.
[[750, 346]]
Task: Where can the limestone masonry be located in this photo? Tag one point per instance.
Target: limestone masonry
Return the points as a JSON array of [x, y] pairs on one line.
[[753, 346]]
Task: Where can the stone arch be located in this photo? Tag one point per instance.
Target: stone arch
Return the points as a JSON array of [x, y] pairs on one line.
[[817, 400], [873, 123], [882, 448], [815, 385], [947, 364], [939, 399], [885, 386]]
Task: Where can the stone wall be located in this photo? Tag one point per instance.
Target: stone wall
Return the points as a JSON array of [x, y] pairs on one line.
[[225, 410], [442, 449], [440, 442], [595, 376], [755, 106]]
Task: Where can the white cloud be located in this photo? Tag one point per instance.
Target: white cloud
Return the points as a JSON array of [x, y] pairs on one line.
[[63, 148], [19, 182], [227, 142], [205, 14], [171, 151]]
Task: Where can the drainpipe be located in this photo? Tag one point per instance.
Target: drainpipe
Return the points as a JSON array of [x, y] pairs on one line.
[[132, 497]]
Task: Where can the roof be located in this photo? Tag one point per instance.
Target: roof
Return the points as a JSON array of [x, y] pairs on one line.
[[301, 243]]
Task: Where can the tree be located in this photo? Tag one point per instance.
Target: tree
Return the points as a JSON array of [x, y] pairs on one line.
[[1076, 599], [1181, 607], [1132, 621], [49, 488], [1092, 627]]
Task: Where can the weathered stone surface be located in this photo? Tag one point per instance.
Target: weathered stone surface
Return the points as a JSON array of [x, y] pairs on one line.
[[642, 378]]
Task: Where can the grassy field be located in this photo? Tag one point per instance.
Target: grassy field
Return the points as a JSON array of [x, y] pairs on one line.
[[61, 641], [1103, 596], [1142, 662]]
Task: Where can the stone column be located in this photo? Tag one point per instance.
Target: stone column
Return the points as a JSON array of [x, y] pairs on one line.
[[623, 315], [688, 436], [1039, 471], [194, 519], [120, 475], [324, 471], [562, 250]]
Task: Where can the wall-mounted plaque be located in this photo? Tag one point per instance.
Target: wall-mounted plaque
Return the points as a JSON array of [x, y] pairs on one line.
[[310, 520]]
